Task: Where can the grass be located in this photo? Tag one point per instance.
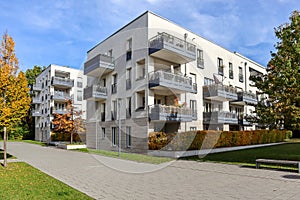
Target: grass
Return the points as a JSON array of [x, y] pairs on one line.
[[21, 181], [288, 151], [128, 156], [33, 142]]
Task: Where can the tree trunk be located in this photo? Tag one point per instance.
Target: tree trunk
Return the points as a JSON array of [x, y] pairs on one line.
[[4, 147], [71, 138]]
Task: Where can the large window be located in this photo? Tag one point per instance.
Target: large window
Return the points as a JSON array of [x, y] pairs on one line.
[[129, 49], [200, 60], [103, 133], [128, 136], [220, 66], [113, 136], [193, 106], [208, 81]]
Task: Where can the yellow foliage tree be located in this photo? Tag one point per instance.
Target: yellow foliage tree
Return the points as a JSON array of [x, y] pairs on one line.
[[14, 92]]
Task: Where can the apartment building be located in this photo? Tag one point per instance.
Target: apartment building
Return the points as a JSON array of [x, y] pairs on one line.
[[153, 75], [53, 87]]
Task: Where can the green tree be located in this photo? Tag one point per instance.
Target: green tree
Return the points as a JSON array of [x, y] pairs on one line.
[[281, 84], [31, 74], [14, 91]]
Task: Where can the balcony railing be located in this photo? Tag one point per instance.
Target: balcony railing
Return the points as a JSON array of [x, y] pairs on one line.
[[58, 111], [219, 92], [172, 48], [36, 100], [172, 81], [246, 98], [99, 65], [62, 82], [170, 113], [60, 96], [220, 117], [36, 87], [36, 113], [95, 92]]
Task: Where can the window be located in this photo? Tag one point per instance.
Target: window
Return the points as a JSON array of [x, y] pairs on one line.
[[220, 66], [128, 79], [129, 49], [193, 106], [207, 107], [128, 136], [113, 136], [241, 77], [79, 95], [79, 82], [140, 69], [128, 108], [114, 111], [103, 133], [110, 53], [230, 71], [200, 60], [114, 84]]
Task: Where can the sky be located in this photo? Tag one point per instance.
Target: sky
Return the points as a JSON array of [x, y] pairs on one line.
[[62, 31]]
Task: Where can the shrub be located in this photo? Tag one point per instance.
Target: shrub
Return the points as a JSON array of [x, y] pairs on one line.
[[195, 140], [65, 137]]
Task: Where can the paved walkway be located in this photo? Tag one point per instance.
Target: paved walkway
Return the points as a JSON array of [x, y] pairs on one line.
[[108, 178]]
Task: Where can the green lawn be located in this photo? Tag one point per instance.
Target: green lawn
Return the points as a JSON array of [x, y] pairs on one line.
[[289, 151], [21, 181], [128, 156]]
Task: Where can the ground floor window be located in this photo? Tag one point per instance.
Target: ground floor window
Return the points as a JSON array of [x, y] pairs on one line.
[[128, 136], [103, 133], [113, 136]]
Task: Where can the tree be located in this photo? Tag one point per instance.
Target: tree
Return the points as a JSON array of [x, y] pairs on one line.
[[31, 74], [14, 91], [70, 123], [281, 84]]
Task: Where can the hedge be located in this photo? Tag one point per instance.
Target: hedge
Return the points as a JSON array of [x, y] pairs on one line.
[[195, 140], [67, 137]]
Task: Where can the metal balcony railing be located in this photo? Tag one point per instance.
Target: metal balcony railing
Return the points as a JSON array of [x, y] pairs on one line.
[[170, 113], [171, 80]]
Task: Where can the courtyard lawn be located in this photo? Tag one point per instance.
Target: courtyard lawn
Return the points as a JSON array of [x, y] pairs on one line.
[[288, 151], [128, 156], [21, 181]]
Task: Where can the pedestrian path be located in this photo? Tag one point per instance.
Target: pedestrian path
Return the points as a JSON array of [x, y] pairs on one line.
[[102, 178]]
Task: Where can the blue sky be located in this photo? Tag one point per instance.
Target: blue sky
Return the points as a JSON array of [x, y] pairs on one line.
[[61, 32]]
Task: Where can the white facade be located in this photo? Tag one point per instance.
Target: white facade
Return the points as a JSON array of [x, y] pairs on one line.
[[53, 87], [154, 75]]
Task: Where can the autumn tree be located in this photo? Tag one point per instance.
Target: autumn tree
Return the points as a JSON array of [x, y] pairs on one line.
[[281, 84], [68, 124], [14, 91]]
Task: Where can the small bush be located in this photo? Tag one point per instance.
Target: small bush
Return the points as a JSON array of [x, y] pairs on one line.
[[65, 137]]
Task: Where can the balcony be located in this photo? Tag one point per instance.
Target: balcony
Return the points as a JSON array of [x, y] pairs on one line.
[[219, 92], [62, 82], [175, 82], [245, 98], [221, 117], [59, 111], [95, 93], [36, 113], [60, 96], [170, 113], [99, 65], [37, 87], [171, 48], [36, 100]]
